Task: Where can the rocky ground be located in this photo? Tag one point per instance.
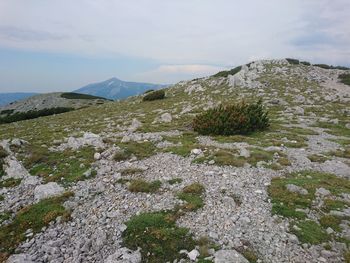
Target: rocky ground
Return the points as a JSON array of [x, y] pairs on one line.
[[262, 192]]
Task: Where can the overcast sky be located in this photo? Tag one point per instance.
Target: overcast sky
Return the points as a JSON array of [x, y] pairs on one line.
[[64, 44]]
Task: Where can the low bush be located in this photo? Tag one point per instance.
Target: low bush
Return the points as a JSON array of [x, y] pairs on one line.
[[154, 95], [240, 118], [305, 63], [20, 116], [345, 78], [3, 154], [226, 73], [325, 66], [293, 61], [78, 96]]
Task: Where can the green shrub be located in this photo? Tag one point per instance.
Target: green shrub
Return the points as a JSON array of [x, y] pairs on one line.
[[20, 116], [148, 91], [240, 118], [305, 63], [3, 154], [78, 96], [325, 66], [293, 61], [154, 95], [345, 78], [226, 73]]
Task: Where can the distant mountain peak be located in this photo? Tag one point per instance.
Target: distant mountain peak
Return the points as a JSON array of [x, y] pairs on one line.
[[115, 88]]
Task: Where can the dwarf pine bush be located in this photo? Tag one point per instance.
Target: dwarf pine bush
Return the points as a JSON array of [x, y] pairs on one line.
[[240, 118], [154, 95]]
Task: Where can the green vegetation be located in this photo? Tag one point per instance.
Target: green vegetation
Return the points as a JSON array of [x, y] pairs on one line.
[[345, 78], [3, 155], [4, 216], [141, 186], [65, 167], [187, 141], [340, 153], [20, 116], [175, 181], [192, 194], [33, 217], [325, 66], [140, 150], [10, 182], [130, 171], [154, 95], [310, 232], [331, 221], [226, 73], [306, 63], [293, 61], [158, 237], [294, 205], [240, 118], [317, 158], [78, 96], [285, 203]]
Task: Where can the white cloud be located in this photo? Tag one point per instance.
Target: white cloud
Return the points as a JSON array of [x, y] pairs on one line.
[[181, 32], [174, 73]]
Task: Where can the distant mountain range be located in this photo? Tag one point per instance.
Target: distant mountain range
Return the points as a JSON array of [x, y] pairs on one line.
[[117, 89], [6, 98], [113, 89]]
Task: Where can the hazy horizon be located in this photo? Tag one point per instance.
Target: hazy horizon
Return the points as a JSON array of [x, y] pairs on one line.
[[63, 45]]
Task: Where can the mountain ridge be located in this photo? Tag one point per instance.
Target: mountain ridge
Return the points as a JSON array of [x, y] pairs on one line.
[[115, 88]]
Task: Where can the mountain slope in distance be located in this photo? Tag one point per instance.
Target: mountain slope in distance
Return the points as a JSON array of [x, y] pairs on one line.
[[7, 98], [117, 89]]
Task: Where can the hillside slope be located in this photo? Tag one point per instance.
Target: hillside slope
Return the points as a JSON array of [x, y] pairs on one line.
[[280, 195], [51, 100], [117, 89], [6, 98]]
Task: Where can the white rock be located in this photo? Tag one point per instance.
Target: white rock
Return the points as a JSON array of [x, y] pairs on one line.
[[124, 255], [19, 258], [125, 139], [296, 189], [193, 255], [47, 190], [97, 156], [166, 117], [196, 151], [229, 256], [135, 124], [322, 192]]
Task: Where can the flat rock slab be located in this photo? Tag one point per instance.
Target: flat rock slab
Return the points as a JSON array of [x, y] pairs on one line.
[[229, 256], [47, 190]]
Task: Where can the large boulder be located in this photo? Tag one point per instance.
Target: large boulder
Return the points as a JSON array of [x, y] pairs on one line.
[[229, 256], [47, 190]]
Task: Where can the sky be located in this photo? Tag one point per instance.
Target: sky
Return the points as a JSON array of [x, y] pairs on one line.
[[62, 45]]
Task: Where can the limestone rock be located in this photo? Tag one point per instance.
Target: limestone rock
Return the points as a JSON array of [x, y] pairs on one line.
[[47, 190], [296, 189], [229, 256]]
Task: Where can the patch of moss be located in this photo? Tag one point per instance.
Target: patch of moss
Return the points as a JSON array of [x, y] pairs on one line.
[[175, 181], [139, 150], [192, 195], [318, 158], [33, 217], [143, 186], [158, 237], [131, 171], [310, 232], [10, 182], [331, 221]]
